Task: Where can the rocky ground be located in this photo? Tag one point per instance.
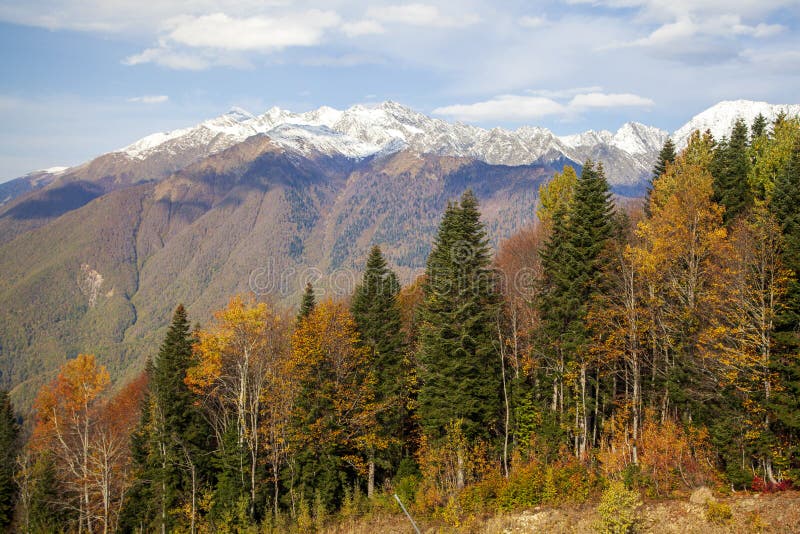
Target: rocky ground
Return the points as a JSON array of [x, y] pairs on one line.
[[749, 513]]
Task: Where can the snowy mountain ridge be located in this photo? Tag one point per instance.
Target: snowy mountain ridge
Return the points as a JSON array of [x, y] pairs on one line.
[[719, 119], [362, 131]]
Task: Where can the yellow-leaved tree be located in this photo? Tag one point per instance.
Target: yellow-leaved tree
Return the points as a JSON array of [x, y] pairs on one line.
[[335, 416], [242, 374]]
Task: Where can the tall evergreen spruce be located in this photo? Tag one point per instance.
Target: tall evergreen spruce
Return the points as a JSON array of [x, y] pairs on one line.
[[730, 168], [759, 127], [308, 302], [665, 157], [786, 402], [377, 317], [574, 262], [172, 438], [786, 207], [459, 363], [9, 436]]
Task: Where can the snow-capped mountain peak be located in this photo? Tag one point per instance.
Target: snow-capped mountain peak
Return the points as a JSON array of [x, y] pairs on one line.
[[636, 138], [719, 119], [365, 130]]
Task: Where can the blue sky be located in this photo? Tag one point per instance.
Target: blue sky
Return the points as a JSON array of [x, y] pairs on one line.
[[80, 78]]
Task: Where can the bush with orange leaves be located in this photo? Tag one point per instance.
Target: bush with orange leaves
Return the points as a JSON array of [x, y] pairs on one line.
[[448, 466], [668, 456]]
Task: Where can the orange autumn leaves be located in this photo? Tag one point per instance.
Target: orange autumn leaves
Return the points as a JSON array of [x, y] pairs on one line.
[[88, 434], [252, 368]]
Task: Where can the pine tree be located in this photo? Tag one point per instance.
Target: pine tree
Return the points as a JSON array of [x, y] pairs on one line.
[[758, 128], [377, 315], [9, 436], [47, 511], [786, 207], [459, 363], [172, 437], [730, 169], [308, 302], [665, 157], [574, 262], [786, 402]]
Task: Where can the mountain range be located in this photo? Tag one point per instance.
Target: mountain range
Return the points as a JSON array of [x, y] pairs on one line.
[[95, 257]]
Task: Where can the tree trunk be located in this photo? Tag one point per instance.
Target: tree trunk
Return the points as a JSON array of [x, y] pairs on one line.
[[460, 470], [371, 475]]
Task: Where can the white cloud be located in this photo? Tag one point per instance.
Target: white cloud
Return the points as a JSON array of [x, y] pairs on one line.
[[564, 93], [165, 57], [513, 108], [532, 22], [760, 30], [420, 15], [221, 31], [518, 108], [149, 99], [362, 27], [608, 100]]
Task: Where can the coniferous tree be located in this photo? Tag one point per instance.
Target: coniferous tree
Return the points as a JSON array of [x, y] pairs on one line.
[[308, 302], [730, 169], [665, 157], [786, 402], [786, 207], [47, 512], [171, 441], [459, 362], [574, 263], [759, 127], [377, 315], [9, 435]]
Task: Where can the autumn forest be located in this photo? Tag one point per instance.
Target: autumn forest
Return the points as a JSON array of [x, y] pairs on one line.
[[611, 352]]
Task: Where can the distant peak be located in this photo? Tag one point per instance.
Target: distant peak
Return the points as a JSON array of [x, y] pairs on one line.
[[239, 114]]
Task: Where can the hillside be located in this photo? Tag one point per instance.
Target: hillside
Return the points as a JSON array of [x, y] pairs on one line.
[[97, 255], [104, 278]]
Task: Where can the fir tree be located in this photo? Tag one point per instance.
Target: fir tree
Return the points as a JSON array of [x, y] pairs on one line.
[[785, 402], [759, 127], [308, 302], [459, 363], [786, 207], [665, 157], [730, 168], [171, 433], [574, 262], [9, 436], [377, 317], [47, 512]]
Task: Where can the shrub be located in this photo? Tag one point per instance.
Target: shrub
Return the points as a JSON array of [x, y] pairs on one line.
[[762, 486], [718, 513], [618, 509]]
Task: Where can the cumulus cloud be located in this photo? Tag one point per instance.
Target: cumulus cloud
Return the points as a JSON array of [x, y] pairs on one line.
[[503, 108], [165, 57], [420, 15], [218, 39], [564, 93], [149, 99], [518, 108], [221, 31]]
